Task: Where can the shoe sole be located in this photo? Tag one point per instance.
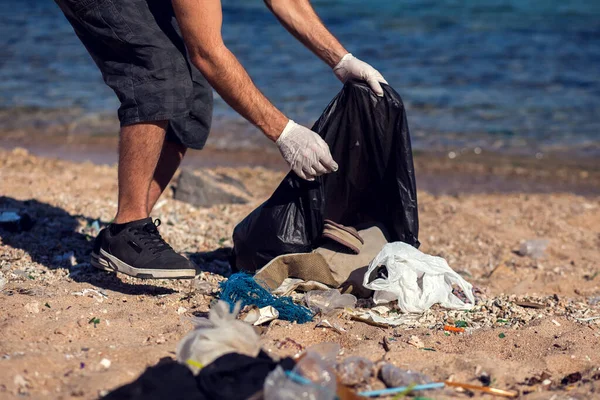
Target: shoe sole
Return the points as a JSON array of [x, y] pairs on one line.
[[108, 262]]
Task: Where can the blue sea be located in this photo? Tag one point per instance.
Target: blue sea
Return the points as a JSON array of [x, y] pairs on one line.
[[505, 75]]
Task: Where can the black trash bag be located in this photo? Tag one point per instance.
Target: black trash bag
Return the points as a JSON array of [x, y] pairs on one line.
[[369, 139]]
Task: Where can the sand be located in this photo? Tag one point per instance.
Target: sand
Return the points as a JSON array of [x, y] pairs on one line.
[[50, 346]]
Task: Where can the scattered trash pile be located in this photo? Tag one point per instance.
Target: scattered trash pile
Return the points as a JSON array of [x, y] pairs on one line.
[[342, 247], [222, 359]]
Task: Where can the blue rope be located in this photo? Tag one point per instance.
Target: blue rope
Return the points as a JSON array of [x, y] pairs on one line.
[[242, 287]]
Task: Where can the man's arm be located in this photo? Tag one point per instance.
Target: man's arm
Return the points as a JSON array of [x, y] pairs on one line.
[[200, 21], [301, 20]]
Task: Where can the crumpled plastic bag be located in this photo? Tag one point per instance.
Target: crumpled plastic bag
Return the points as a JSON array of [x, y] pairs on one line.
[[324, 301], [219, 334], [417, 280]]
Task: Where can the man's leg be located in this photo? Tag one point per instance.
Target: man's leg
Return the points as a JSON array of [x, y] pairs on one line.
[[170, 158], [132, 244], [140, 147]]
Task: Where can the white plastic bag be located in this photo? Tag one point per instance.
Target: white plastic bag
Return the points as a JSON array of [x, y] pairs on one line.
[[219, 334], [416, 280]]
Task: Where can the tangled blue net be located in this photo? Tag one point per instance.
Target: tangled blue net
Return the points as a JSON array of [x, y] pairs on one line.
[[242, 287]]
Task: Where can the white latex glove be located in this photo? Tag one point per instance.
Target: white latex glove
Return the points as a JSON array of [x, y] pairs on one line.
[[306, 153], [351, 67]]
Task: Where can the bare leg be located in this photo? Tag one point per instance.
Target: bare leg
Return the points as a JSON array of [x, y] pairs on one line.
[[140, 147], [170, 158]]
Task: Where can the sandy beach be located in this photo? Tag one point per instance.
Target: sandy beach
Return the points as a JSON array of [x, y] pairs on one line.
[[60, 317]]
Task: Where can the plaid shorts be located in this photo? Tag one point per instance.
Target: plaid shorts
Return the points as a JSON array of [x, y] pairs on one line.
[[138, 47]]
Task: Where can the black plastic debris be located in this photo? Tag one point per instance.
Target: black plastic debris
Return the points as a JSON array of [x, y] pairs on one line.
[[571, 378], [369, 139], [14, 221], [232, 376]]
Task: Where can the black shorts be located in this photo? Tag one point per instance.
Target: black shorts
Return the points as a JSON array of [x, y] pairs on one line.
[[138, 47]]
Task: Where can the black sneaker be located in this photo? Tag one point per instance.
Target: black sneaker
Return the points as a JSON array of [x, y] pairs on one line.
[[138, 250]]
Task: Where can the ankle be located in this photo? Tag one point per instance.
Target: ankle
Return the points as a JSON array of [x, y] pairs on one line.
[[124, 218]]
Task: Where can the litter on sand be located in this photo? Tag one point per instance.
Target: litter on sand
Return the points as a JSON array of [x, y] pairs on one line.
[[324, 301], [259, 316], [416, 280], [243, 288], [219, 334], [437, 385], [381, 320], [455, 329]]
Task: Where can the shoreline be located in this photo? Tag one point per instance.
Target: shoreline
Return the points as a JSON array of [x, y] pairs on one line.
[[437, 172]]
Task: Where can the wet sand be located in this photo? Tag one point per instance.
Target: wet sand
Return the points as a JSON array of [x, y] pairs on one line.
[[469, 170]]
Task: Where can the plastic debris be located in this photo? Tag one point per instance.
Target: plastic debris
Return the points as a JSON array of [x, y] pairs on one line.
[[324, 301], [312, 378], [261, 316], [96, 294], [485, 389], [402, 389], [571, 378], [291, 284], [354, 370], [243, 288], [9, 216], [455, 329], [533, 248], [105, 363], [219, 334], [202, 287], [96, 226], [181, 310], [15, 222], [333, 324], [529, 304], [417, 280], [69, 256], [372, 317], [393, 376]]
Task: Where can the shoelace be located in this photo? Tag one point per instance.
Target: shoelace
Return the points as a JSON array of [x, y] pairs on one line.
[[150, 236]]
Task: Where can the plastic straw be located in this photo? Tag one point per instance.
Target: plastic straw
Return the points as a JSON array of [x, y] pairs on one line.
[[387, 392]]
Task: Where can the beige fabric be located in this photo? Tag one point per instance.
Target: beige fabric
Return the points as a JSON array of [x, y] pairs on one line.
[[344, 238], [348, 269], [306, 266], [332, 265]]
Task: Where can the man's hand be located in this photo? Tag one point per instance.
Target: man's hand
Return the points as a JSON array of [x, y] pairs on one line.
[[351, 67], [307, 154]]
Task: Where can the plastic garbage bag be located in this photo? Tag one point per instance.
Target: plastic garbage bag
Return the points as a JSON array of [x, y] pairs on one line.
[[369, 139], [313, 377], [417, 280], [324, 301], [219, 334]]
